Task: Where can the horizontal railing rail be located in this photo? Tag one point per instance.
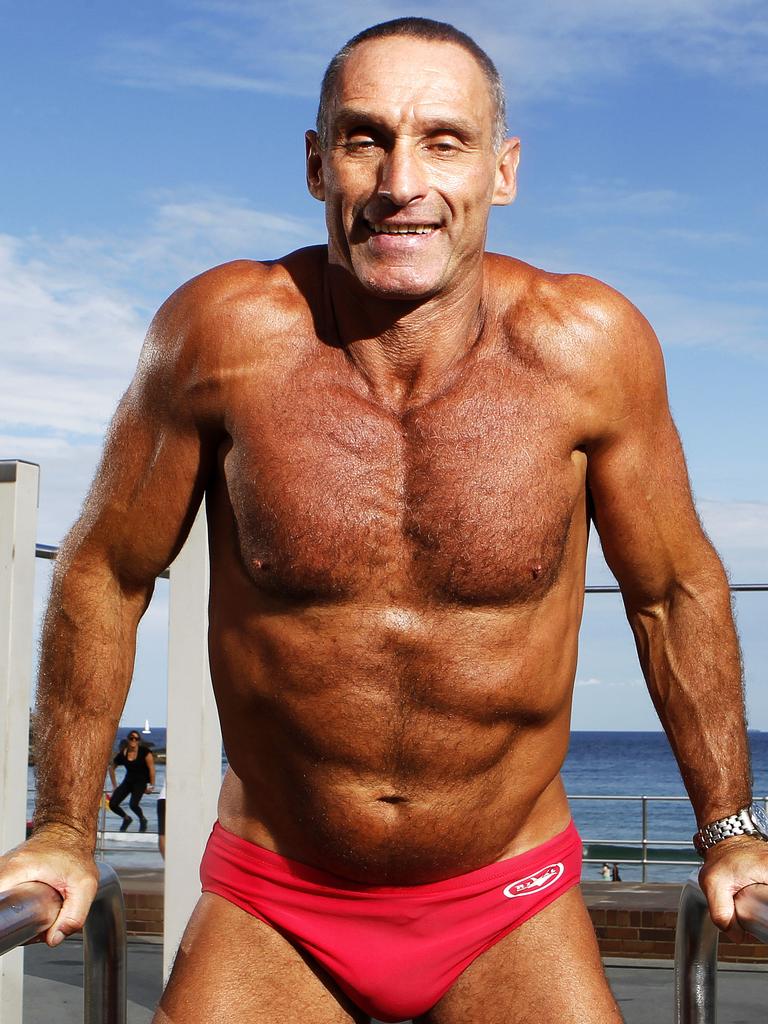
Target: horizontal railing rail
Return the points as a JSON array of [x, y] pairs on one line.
[[696, 942], [103, 833], [49, 551], [31, 908], [25, 912], [644, 844]]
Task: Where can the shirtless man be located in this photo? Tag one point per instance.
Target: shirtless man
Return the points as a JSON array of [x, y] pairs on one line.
[[401, 441]]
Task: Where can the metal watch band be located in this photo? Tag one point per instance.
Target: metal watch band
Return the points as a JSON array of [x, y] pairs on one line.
[[738, 824]]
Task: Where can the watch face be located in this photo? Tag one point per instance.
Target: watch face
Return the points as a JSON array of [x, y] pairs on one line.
[[759, 818]]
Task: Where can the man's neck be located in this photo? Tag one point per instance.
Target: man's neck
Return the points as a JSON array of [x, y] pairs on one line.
[[406, 351]]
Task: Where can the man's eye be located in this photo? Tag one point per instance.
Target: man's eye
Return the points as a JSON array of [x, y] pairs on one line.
[[360, 143], [443, 147]]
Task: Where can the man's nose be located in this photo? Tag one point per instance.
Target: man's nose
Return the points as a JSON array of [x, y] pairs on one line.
[[402, 177]]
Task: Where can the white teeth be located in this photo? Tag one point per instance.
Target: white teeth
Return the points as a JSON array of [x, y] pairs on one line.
[[402, 229]]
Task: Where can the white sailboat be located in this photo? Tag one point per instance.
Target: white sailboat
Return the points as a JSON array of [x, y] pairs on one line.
[[146, 730]]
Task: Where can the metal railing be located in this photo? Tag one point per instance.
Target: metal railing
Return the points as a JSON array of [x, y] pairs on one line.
[[30, 909], [49, 552], [146, 841], [696, 942], [644, 844]]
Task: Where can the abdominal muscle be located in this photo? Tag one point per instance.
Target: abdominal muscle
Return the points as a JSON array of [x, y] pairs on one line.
[[391, 746]]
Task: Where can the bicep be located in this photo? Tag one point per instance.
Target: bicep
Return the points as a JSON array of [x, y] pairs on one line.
[[151, 477], [639, 488], [146, 491]]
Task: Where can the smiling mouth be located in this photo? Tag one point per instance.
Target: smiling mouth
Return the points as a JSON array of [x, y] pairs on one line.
[[402, 229]]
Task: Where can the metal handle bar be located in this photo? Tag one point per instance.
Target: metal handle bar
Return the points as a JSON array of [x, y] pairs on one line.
[[31, 908], [696, 943]]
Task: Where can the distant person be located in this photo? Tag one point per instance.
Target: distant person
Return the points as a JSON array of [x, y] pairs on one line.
[[615, 876], [605, 872], [161, 822], [139, 779]]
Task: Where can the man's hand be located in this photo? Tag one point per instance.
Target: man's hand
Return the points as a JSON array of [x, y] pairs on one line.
[[729, 867], [57, 856]]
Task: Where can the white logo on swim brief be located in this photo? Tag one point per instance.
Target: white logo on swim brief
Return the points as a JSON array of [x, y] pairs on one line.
[[535, 882]]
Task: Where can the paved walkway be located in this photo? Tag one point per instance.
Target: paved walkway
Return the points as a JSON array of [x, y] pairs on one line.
[[645, 989]]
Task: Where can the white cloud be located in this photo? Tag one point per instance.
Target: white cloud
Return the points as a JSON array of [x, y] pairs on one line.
[[705, 321], [189, 234], [739, 531], [74, 309], [611, 684], [74, 312], [610, 198], [68, 338], [552, 47], [662, 281]]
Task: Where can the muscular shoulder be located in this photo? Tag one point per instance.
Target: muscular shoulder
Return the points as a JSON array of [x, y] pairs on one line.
[[228, 317], [583, 332], [213, 308]]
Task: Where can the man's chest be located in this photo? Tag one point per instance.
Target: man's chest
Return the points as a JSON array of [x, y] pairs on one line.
[[469, 498]]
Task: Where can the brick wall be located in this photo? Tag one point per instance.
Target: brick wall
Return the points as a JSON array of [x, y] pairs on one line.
[[642, 932], [143, 904], [650, 934]]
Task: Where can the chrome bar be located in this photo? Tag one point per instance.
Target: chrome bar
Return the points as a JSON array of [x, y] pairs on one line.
[[627, 862], [50, 551], [47, 551], [630, 796], [31, 908], [639, 842], [645, 838], [696, 941], [741, 588], [105, 954], [26, 911]]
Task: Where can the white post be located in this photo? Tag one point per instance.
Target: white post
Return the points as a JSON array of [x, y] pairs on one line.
[[18, 523], [193, 769]]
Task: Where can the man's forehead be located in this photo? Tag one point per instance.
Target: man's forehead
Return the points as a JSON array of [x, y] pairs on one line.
[[401, 70]]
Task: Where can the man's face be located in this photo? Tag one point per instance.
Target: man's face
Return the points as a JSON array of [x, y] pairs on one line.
[[409, 174]]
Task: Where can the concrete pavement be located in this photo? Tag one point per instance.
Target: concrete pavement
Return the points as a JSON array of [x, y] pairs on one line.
[[53, 987]]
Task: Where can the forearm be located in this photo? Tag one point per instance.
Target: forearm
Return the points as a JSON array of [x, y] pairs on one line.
[[690, 656], [85, 671]]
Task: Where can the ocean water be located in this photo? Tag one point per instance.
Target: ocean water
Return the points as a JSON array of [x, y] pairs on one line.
[[626, 764], [637, 764]]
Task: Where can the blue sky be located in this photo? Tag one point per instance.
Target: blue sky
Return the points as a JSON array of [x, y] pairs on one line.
[[143, 143]]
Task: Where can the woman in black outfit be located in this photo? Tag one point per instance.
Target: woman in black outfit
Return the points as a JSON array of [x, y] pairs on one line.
[[139, 779]]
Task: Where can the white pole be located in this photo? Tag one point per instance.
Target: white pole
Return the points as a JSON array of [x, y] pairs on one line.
[[18, 523], [193, 769]]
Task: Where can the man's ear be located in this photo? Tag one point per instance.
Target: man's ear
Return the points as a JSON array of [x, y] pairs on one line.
[[314, 167], [507, 160]]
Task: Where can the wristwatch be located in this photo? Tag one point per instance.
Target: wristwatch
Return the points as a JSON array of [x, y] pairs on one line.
[[749, 821]]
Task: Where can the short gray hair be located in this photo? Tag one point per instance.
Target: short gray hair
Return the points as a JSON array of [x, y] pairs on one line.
[[416, 28]]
